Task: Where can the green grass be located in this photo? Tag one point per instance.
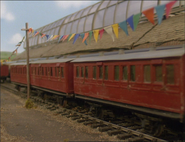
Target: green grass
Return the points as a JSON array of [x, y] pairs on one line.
[[6, 54]]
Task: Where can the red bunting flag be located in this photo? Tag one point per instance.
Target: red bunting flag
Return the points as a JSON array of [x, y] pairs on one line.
[[169, 7], [85, 37], [66, 36], [149, 13], [43, 35], [101, 33]]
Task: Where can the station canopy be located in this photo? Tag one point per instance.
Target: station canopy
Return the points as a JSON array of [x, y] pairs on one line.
[[96, 16]]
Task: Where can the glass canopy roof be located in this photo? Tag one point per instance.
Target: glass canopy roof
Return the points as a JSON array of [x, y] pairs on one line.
[[96, 16]]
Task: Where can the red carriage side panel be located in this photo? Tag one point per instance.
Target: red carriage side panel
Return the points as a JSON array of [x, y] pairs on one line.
[[53, 76], [147, 83], [4, 71], [18, 74]]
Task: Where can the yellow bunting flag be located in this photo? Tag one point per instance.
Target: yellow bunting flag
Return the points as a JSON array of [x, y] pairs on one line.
[[71, 37], [96, 33], [115, 28], [65, 38], [85, 37], [55, 36]]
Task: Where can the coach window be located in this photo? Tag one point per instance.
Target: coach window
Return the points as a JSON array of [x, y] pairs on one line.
[[86, 72], [170, 74], [158, 73], [116, 72], [82, 71], [42, 70], [132, 73], [94, 72], [46, 71], [147, 73], [51, 71], [62, 71], [125, 73], [56, 71], [100, 72], [77, 71], [106, 72]]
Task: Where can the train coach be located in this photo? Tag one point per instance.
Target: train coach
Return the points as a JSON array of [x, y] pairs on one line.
[[4, 72], [150, 83]]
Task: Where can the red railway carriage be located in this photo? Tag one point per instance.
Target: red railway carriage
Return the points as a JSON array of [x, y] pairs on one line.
[[18, 73], [4, 72], [56, 74], [149, 81]]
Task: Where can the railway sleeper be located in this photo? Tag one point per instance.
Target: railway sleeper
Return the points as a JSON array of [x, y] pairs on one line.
[[99, 124], [88, 122], [105, 128], [114, 132], [124, 136]]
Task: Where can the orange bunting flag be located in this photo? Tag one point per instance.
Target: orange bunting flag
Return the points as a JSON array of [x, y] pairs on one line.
[[65, 38], [36, 33], [30, 30], [85, 37], [115, 28], [149, 13], [55, 36], [96, 33], [43, 35]]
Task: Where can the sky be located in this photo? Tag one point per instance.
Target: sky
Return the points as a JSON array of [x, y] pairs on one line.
[[14, 15]]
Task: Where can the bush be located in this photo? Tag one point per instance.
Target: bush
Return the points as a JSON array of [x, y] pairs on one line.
[[29, 104]]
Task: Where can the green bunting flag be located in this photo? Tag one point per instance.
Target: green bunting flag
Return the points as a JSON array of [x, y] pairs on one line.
[[136, 20], [90, 35]]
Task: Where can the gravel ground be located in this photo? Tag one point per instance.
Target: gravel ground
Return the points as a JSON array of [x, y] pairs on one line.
[[19, 124]]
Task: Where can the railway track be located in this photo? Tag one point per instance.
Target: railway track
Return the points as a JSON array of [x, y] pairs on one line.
[[123, 130]]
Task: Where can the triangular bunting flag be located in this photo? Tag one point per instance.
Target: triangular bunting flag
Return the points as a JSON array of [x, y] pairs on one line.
[[36, 33], [130, 21], [71, 37], [60, 38], [90, 35], [66, 36], [160, 12], [82, 35], [30, 30], [55, 36], [19, 44], [47, 36], [123, 26], [108, 29], [115, 28], [43, 35], [169, 7], [136, 20], [96, 33], [40, 34], [50, 37], [101, 33], [75, 38], [149, 13], [85, 37]]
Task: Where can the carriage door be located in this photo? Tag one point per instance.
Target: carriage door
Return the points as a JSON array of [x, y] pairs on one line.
[[158, 75], [99, 73]]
